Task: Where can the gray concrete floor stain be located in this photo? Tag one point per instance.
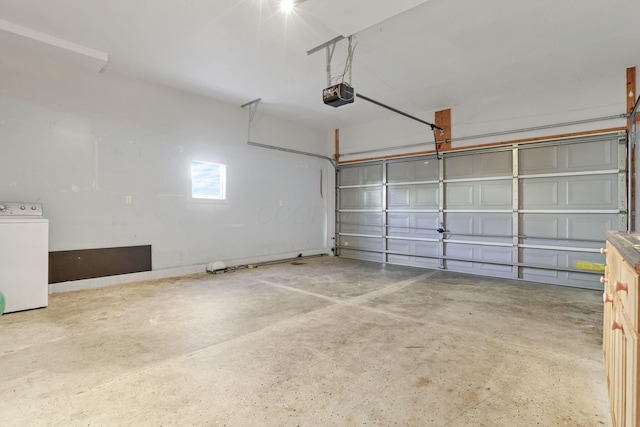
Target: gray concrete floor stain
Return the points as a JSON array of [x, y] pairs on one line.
[[328, 342]]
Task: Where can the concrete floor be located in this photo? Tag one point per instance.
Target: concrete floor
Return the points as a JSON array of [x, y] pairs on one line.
[[331, 342]]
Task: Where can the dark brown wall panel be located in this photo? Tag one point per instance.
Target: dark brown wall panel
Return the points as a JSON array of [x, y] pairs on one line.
[[65, 266]]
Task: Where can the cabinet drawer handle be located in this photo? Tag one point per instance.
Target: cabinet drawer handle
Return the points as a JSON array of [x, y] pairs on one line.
[[603, 251], [615, 325], [606, 298], [603, 280], [620, 286]]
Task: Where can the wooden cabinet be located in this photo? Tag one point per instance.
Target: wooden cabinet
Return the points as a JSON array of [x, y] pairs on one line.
[[620, 331]]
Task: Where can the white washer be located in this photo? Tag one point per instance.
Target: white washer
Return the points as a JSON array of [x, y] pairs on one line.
[[24, 256]]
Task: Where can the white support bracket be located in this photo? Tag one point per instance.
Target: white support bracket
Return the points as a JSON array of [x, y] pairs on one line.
[[330, 49], [253, 107]]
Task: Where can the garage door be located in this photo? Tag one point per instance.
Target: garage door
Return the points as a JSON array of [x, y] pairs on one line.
[[533, 211]]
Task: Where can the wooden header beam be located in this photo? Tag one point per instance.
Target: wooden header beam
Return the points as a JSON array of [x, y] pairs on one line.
[[631, 103], [443, 121], [631, 93]]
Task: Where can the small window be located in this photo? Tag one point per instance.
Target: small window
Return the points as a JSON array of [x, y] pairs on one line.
[[208, 180]]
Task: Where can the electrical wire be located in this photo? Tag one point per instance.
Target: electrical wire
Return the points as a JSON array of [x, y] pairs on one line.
[[341, 77], [348, 63], [435, 142]]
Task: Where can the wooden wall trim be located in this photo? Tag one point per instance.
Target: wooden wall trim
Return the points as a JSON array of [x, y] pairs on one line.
[[488, 145]]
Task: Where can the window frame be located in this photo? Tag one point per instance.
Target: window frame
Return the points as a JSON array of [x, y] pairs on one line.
[[222, 196]]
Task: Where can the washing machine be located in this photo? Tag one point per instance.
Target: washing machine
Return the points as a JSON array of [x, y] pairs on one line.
[[24, 256]]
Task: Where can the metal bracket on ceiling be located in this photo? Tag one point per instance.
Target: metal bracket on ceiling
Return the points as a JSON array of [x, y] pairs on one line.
[[331, 42], [330, 48], [253, 107]]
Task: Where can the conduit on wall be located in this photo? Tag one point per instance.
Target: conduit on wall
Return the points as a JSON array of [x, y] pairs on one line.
[[253, 107], [289, 150]]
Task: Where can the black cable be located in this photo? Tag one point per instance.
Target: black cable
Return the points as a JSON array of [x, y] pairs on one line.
[[402, 113], [347, 64], [635, 107]]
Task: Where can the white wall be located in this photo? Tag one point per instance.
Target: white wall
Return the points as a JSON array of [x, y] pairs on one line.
[[565, 100], [80, 142]]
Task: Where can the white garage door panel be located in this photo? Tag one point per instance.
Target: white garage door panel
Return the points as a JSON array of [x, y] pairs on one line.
[[566, 226], [425, 254], [539, 194], [361, 243], [588, 192], [479, 165], [591, 155], [361, 255], [418, 225], [399, 198], [421, 170], [495, 195], [589, 226], [361, 223], [497, 259], [413, 197], [360, 212], [400, 224], [553, 258], [427, 249], [538, 160], [542, 225], [490, 227], [479, 194], [462, 224], [534, 211], [361, 198], [460, 195], [558, 258], [361, 175], [561, 260], [495, 224], [413, 261], [426, 197], [580, 192], [463, 252]]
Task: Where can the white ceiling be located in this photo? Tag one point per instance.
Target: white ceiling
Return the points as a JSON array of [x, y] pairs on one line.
[[415, 55]]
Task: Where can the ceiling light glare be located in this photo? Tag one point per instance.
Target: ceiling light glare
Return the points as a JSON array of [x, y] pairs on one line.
[[286, 5]]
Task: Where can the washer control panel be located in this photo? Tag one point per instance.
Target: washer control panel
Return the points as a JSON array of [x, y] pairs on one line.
[[20, 209]]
